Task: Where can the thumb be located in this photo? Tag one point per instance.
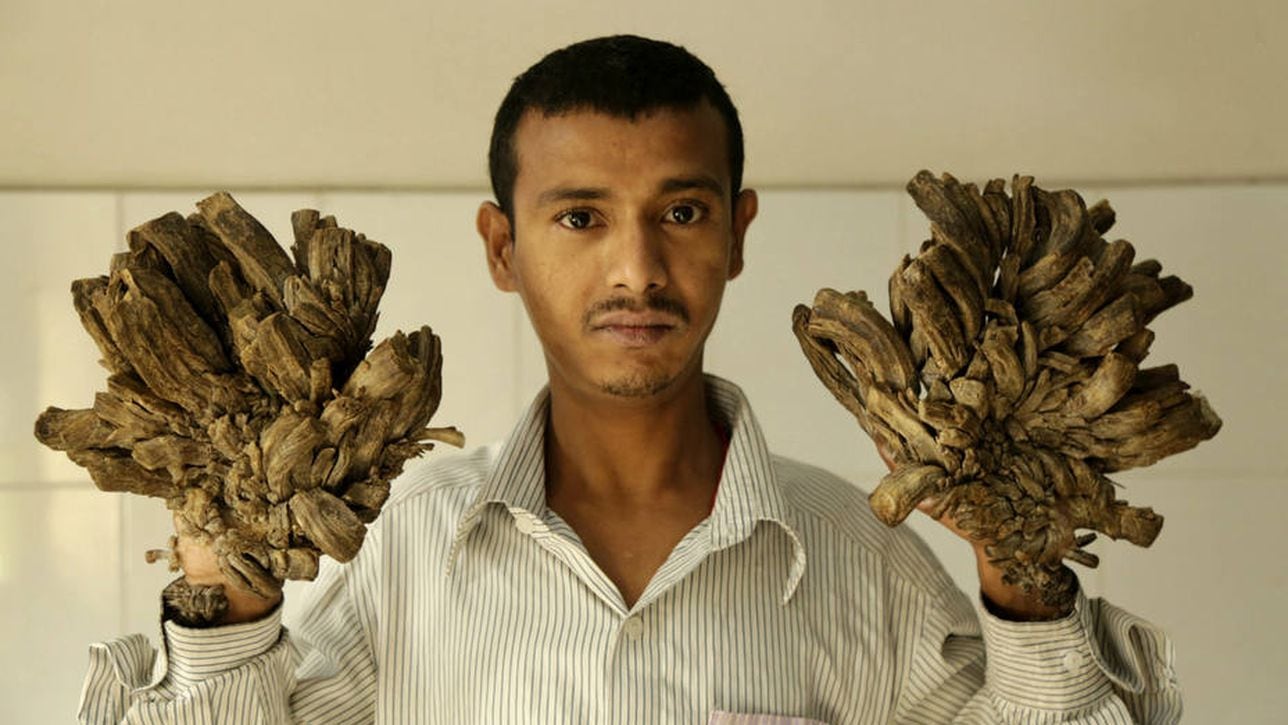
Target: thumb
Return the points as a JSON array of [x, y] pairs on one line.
[[885, 455]]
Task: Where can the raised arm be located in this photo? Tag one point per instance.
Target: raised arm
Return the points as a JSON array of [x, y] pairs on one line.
[[250, 669]]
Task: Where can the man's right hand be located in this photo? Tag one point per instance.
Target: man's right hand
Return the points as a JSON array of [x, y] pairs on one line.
[[201, 566]]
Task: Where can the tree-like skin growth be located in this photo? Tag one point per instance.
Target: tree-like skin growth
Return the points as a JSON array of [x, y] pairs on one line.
[[1009, 380], [242, 392]]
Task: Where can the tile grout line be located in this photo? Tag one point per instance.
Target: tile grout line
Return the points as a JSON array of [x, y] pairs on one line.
[[123, 582], [43, 486], [123, 579]]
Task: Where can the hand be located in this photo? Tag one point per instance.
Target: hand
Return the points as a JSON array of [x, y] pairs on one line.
[[1002, 599], [200, 566]]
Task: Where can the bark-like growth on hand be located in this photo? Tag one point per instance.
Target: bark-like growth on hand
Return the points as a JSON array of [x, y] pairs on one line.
[[1010, 381], [238, 390]]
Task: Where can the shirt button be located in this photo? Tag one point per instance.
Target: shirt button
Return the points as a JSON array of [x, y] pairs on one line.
[[525, 524], [633, 628], [1074, 661]]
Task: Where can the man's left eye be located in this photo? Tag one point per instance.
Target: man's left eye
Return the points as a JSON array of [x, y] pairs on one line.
[[684, 213]]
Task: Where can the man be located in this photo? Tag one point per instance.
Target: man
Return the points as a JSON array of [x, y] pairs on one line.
[[632, 552]]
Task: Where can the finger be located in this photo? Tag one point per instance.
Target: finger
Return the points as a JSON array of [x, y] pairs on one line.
[[885, 456], [198, 560], [929, 506]]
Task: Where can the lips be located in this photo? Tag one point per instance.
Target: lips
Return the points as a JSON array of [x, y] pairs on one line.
[[634, 336], [635, 319], [634, 329]]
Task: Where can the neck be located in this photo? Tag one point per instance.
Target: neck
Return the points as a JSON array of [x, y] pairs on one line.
[[630, 453]]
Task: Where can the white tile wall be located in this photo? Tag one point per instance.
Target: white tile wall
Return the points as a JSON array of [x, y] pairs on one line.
[[50, 239], [60, 590], [145, 524], [800, 242], [71, 567], [1215, 579]]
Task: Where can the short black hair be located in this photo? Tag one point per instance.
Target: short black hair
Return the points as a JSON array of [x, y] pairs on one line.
[[619, 75]]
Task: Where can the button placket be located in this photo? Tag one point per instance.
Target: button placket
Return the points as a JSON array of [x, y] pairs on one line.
[[633, 628]]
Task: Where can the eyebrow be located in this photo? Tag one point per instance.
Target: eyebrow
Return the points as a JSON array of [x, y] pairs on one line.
[[699, 181], [568, 193], [668, 186]]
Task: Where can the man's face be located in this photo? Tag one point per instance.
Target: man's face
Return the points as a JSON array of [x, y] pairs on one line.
[[623, 239]]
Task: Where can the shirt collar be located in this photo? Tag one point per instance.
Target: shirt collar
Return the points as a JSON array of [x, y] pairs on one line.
[[748, 494]]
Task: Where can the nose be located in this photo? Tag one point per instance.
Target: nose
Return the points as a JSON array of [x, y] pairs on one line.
[[637, 258]]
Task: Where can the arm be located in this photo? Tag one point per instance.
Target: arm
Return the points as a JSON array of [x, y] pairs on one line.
[[251, 671], [1099, 664], [1095, 663], [1101, 655]]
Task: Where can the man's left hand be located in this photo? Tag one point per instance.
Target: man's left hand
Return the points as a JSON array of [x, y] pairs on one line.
[[1002, 599]]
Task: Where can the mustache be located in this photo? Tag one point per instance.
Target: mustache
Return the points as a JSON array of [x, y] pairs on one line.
[[653, 302]]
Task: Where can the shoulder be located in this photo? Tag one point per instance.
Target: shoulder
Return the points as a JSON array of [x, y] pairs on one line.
[[834, 513], [823, 499], [439, 476], [427, 500]]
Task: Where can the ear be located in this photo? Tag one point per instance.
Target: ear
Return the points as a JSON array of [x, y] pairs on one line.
[[744, 210], [498, 244]]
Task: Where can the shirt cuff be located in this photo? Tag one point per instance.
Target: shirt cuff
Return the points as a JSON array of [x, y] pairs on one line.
[[199, 654], [1046, 665]]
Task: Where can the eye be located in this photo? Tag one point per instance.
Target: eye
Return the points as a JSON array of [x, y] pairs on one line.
[[576, 219], [686, 213]]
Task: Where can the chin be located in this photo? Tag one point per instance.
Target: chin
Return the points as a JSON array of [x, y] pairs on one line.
[[643, 384]]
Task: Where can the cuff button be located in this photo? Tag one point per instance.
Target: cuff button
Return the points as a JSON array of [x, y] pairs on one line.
[[1074, 661]]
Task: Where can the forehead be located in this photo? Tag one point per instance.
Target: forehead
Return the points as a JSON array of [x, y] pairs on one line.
[[587, 147]]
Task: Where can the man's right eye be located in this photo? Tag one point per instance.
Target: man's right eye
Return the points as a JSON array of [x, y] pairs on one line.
[[576, 219]]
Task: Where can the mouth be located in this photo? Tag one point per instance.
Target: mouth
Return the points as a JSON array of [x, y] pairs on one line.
[[634, 335], [635, 329]]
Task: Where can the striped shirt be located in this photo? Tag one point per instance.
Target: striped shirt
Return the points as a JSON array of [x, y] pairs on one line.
[[472, 602]]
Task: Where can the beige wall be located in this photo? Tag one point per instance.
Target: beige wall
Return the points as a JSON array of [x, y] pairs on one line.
[[848, 92]]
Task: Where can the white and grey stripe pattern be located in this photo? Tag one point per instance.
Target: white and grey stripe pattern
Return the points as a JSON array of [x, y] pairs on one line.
[[471, 602]]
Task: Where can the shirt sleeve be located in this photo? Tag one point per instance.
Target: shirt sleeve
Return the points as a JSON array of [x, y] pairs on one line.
[[1100, 664], [255, 672]]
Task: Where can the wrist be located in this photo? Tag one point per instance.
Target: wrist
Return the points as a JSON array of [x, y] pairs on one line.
[[244, 606], [205, 596], [1020, 607], [1012, 602], [210, 602]]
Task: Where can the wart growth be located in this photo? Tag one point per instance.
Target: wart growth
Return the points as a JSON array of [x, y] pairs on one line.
[[1010, 381], [241, 391]]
